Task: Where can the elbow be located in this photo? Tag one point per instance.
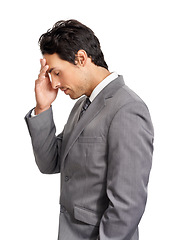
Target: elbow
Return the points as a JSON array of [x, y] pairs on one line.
[[48, 170]]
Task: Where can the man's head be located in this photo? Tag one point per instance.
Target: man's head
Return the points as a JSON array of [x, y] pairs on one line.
[[66, 38], [73, 54]]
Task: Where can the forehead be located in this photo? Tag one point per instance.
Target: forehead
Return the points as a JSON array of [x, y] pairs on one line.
[[55, 62], [52, 58]]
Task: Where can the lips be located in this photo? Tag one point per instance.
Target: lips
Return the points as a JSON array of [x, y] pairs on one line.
[[64, 90]]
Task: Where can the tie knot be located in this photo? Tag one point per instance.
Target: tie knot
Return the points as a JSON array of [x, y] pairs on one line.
[[86, 104]]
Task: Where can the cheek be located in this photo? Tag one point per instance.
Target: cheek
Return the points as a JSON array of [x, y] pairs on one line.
[[67, 77], [73, 78]]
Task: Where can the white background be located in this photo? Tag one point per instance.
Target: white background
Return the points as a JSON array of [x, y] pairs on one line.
[[140, 40]]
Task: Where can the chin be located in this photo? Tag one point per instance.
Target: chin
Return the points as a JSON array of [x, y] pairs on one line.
[[74, 97]]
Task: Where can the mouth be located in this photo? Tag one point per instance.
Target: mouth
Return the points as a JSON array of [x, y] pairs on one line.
[[64, 90]]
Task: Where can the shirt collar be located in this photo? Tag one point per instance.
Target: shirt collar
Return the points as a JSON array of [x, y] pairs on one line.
[[102, 85]]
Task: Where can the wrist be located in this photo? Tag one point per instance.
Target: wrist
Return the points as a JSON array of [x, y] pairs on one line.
[[39, 110]]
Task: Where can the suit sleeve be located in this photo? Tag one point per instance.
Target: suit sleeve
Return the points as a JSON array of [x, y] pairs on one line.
[[46, 145], [130, 149]]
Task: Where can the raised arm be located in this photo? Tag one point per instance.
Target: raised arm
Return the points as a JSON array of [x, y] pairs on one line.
[[46, 145]]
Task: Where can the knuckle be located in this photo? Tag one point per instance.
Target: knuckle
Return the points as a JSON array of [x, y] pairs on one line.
[[41, 76]]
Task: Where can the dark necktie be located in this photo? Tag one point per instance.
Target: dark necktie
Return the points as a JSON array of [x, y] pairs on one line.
[[86, 104]]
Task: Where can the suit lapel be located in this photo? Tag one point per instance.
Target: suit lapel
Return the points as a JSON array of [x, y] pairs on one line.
[[71, 123], [75, 127]]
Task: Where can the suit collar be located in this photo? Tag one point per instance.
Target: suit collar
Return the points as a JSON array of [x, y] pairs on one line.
[[75, 127], [102, 85], [109, 90]]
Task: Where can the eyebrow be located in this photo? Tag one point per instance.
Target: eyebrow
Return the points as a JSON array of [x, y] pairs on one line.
[[51, 69]]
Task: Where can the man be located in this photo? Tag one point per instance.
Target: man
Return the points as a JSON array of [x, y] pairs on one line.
[[104, 153]]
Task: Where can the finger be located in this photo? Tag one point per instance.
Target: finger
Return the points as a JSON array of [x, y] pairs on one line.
[[43, 63], [43, 72]]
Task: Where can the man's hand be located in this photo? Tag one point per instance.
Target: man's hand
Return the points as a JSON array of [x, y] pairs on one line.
[[44, 92]]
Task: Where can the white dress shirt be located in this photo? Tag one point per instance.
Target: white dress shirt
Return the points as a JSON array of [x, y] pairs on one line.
[[97, 89], [102, 85]]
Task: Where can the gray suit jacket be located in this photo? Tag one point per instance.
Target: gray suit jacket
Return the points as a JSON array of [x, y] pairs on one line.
[[104, 160]]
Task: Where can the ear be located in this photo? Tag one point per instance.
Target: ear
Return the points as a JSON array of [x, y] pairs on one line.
[[81, 58]]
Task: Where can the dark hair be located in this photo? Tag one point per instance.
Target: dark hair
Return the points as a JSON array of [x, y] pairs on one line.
[[66, 38]]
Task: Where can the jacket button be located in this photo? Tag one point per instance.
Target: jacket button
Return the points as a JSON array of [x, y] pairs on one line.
[[66, 178], [62, 209]]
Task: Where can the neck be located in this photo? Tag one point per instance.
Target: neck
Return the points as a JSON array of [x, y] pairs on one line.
[[97, 76]]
